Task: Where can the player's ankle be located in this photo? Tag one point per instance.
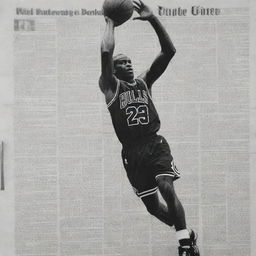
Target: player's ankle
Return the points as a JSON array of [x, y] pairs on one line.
[[183, 237]]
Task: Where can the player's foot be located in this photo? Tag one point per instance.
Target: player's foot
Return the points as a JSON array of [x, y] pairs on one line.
[[194, 248], [191, 250]]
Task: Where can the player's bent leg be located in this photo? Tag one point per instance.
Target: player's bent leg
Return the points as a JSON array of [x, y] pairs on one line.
[[187, 239], [157, 209], [175, 208]]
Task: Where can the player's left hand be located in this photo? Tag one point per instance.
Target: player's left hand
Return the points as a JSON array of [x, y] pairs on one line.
[[143, 10]]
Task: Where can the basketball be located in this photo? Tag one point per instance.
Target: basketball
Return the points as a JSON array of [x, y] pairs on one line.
[[118, 10]]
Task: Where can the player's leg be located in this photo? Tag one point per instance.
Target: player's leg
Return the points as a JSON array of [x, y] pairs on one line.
[[175, 208], [187, 238], [157, 209]]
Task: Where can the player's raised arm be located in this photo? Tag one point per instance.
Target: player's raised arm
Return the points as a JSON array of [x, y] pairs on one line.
[[167, 48], [107, 81]]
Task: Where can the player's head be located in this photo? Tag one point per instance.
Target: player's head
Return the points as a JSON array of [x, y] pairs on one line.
[[123, 67]]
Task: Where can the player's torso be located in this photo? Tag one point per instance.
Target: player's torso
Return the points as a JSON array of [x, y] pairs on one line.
[[133, 113]]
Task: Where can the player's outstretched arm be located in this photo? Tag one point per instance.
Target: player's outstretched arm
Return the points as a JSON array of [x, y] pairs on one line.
[[107, 81], [167, 48]]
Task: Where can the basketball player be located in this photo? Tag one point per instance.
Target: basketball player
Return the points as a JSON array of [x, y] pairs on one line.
[[146, 155]]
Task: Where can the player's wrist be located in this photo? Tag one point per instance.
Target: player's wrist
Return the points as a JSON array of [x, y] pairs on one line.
[[152, 18]]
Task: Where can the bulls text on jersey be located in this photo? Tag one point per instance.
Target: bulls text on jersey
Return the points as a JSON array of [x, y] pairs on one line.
[[130, 97]]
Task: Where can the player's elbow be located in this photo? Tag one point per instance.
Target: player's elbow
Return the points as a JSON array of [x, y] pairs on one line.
[[170, 52]]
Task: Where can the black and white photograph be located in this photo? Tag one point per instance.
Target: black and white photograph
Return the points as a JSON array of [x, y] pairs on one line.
[[127, 128]]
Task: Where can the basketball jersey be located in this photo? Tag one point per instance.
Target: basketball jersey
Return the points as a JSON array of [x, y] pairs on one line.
[[133, 113]]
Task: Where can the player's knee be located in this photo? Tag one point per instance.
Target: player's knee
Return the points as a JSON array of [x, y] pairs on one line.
[[153, 210], [152, 207]]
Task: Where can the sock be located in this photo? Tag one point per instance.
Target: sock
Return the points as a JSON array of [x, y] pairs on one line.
[[183, 238]]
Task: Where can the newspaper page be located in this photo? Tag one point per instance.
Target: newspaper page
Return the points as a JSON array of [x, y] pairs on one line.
[[66, 191]]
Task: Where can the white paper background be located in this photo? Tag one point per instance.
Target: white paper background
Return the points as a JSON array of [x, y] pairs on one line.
[[110, 220]]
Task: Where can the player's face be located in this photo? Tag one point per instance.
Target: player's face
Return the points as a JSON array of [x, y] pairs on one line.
[[123, 69]]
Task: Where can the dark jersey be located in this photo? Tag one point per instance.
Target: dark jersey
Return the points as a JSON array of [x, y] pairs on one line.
[[133, 113]]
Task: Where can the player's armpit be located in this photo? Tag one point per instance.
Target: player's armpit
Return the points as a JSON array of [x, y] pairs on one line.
[[108, 91], [107, 85]]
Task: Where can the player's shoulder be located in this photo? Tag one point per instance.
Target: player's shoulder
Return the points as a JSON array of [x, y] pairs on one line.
[[141, 80]]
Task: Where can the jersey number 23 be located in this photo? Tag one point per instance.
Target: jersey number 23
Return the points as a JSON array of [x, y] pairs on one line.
[[137, 115]]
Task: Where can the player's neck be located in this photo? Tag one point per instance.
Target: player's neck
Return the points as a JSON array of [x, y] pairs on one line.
[[130, 81]]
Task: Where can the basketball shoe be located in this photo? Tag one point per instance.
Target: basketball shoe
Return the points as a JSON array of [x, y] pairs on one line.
[[193, 249]]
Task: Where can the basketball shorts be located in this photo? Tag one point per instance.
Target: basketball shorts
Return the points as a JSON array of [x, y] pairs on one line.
[[145, 161]]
